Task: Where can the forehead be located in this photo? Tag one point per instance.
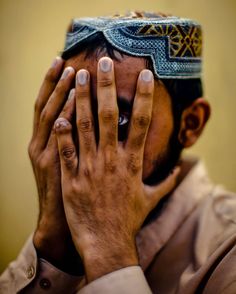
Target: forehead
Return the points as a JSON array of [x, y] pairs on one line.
[[127, 69]]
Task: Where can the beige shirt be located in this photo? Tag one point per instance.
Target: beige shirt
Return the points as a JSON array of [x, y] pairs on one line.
[[189, 248]]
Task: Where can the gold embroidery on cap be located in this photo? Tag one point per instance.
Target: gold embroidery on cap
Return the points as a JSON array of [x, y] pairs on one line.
[[184, 41]]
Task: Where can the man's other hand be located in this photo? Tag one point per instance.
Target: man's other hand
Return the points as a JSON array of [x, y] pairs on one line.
[[52, 237]]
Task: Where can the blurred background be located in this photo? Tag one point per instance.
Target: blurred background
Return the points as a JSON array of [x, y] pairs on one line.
[[32, 33]]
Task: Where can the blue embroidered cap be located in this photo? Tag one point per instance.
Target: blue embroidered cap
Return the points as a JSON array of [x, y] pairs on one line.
[[173, 44]]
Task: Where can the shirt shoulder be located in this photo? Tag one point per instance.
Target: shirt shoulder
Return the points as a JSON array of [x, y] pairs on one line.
[[216, 222], [214, 262]]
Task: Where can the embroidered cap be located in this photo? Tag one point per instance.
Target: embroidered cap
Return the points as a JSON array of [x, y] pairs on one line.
[[173, 44]]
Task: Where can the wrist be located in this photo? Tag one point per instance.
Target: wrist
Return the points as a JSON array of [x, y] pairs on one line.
[[100, 260], [58, 250]]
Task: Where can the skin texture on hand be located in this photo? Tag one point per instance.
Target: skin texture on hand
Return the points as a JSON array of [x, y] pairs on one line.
[[52, 237], [104, 197]]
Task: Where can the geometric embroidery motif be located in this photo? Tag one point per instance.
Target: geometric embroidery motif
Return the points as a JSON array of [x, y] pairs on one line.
[[174, 44], [184, 41]]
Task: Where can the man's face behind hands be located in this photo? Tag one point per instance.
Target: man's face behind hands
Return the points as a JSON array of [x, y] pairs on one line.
[[159, 155]]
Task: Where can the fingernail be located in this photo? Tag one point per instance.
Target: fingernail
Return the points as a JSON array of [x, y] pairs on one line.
[[71, 94], [56, 61], [61, 122], [146, 75], [82, 77], [66, 72], [105, 64]]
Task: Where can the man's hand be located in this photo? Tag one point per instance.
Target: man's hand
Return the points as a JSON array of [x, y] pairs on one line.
[[104, 197], [52, 237]]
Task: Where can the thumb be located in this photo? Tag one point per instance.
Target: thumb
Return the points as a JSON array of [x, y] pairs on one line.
[[155, 193]]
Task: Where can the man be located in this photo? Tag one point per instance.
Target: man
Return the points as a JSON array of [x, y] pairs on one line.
[[120, 212]]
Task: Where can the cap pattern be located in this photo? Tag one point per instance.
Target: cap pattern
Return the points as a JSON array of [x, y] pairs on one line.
[[183, 41], [173, 44]]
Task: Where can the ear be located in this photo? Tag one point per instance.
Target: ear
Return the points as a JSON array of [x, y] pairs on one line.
[[193, 121]]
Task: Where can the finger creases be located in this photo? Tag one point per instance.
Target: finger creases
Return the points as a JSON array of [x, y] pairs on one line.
[[134, 164], [66, 146], [84, 116], [142, 112], [107, 104]]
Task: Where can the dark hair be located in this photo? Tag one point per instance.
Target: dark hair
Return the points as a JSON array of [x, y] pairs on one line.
[[182, 91]]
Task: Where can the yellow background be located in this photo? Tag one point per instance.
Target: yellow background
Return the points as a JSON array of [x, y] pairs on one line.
[[32, 33]]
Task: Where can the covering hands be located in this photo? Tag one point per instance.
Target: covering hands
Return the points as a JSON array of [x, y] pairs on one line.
[[104, 197], [52, 237]]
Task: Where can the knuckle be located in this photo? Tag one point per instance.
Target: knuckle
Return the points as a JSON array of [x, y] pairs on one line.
[[32, 150], [145, 92], [108, 115], [110, 166], [83, 93], [42, 163], [133, 164], [105, 82], [110, 163], [85, 124], [74, 188], [141, 120], [87, 172], [68, 152]]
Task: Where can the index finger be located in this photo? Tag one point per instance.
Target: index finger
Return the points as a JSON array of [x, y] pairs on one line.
[[46, 89]]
